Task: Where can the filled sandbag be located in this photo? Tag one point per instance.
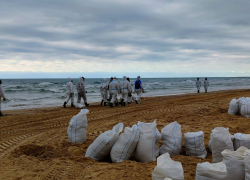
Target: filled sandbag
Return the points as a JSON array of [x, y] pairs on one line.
[[234, 161], [102, 145], [167, 168], [209, 143], [241, 100], [233, 107], [147, 148], [245, 108], [213, 171], [247, 165], [125, 145], [194, 144], [79, 106], [220, 139], [78, 127], [241, 140], [171, 139]]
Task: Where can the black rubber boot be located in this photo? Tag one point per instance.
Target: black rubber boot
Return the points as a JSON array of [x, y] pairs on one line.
[[116, 104], [136, 102], [105, 104], [111, 105], [64, 105], [86, 104], [198, 91], [1, 113], [122, 102], [101, 103], [72, 105], [206, 91]]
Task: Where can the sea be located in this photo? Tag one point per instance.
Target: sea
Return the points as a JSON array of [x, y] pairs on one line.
[[35, 93]]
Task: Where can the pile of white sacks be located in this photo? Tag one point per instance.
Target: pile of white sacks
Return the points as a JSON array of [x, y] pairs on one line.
[[240, 106]]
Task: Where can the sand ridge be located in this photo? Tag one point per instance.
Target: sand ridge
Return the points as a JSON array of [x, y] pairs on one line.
[[34, 142]]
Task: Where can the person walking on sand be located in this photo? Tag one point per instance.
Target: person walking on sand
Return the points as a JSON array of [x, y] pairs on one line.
[[70, 93], [130, 97], [1, 96], [114, 89], [206, 84], [110, 95], [125, 88], [80, 86], [198, 85], [104, 91], [138, 89]]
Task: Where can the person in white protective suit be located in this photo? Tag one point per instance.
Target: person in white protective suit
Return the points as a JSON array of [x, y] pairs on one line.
[[110, 95], [69, 93], [114, 89], [80, 86], [198, 85], [138, 89], [125, 88], [130, 96], [206, 84], [104, 92], [1, 96]]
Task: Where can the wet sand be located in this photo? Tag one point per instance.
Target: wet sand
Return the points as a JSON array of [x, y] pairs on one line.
[[34, 142]]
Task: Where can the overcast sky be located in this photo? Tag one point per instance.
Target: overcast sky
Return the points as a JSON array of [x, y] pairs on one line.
[[153, 38]]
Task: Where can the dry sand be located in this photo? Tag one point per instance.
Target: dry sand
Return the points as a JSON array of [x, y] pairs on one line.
[[34, 142]]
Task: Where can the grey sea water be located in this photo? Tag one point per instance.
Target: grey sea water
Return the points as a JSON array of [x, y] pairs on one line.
[[33, 93]]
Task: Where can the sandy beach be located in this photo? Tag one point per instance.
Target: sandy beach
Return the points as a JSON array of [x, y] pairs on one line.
[[34, 142]]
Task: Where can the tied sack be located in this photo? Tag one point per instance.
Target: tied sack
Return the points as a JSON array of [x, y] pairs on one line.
[[241, 100], [245, 108], [78, 127], [171, 139], [125, 145], [167, 168], [234, 161], [247, 165], [213, 171], [220, 139], [241, 140], [147, 148], [101, 147], [233, 107], [194, 143]]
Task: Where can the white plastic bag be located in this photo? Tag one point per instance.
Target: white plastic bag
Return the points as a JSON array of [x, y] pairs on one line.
[[171, 139], [194, 143], [233, 107], [79, 106], [234, 161], [241, 140], [167, 168], [245, 108], [101, 147], [213, 171], [247, 165], [125, 145], [78, 127], [147, 148], [220, 139]]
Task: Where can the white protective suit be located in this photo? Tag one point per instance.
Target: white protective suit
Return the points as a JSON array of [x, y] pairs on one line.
[[1, 95], [114, 89], [130, 98], [80, 86], [139, 91], [125, 88], [104, 90], [69, 91], [198, 85], [206, 84]]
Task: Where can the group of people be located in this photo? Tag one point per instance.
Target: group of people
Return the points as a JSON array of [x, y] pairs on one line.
[[199, 84]]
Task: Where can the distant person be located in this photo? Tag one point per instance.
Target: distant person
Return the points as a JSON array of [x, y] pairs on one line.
[[114, 89], [110, 95], [104, 92], [125, 88], [1, 96], [80, 86], [198, 85], [130, 97], [138, 89], [206, 84], [70, 93]]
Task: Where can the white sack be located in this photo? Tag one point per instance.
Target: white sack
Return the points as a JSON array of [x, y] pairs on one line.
[[234, 161], [233, 107], [245, 108], [125, 145], [166, 167], [247, 165], [147, 148], [78, 127], [209, 143], [79, 106], [171, 139], [241, 140], [241, 100], [102, 145], [220, 139], [194, 143], [213, 171]]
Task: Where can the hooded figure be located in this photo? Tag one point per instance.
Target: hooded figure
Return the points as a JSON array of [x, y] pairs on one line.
[[206, 84], [110, 95], [198, 85], [114, 89], [104, 91], [80, 86], [125, 88], [138, 89], [1, 96], [70, 93]]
